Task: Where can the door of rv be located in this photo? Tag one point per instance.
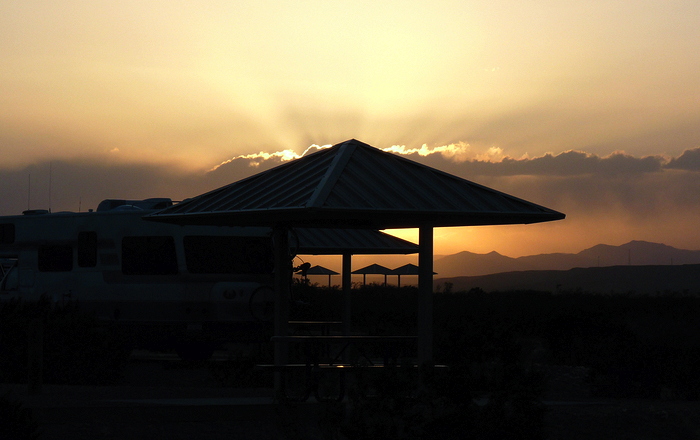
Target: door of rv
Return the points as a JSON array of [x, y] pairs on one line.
[[10, 279]]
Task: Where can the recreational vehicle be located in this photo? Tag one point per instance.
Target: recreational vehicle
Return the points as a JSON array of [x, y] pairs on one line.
[[125, 269]]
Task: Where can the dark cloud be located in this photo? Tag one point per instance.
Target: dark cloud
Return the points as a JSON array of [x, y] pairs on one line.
[[572, 181], [569, 163], [689, 160], [81, 185], [240, 168], [613, 195], [662, 194]]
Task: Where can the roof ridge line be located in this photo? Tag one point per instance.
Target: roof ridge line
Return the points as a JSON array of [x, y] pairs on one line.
[[335, 169]]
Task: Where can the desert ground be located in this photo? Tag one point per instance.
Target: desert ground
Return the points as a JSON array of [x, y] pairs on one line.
[[161, 396]]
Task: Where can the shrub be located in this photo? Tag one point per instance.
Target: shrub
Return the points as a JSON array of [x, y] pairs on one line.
[[16, 421], [77, 348]]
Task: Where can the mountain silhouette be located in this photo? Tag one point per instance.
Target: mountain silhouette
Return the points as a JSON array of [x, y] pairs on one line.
[[651, 279], [634, 253]]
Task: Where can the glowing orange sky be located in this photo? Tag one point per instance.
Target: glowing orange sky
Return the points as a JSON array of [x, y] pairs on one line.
[[132, 98]]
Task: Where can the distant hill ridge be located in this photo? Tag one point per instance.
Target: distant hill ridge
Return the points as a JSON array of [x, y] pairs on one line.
[[653, 279], [634, 253]]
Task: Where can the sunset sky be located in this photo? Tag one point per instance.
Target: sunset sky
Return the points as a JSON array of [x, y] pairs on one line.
[[589, 108]]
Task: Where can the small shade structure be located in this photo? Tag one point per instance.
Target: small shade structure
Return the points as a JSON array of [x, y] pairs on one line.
[[354, 185], [408, 269], [372, 269], [320, 270]]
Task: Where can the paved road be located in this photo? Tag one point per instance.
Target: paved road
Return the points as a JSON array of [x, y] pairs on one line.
[[161, 397]]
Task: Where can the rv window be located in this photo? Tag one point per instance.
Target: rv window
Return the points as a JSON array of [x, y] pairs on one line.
[[227, 254], [7, 233], [55, 258], [87, 249], [154, 255]]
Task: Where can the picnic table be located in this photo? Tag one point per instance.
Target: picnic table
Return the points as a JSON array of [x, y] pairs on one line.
[[323, 357]]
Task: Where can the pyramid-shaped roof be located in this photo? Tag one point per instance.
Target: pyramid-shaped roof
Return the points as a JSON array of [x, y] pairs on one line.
[[354, 185], [320, 270], [406, 269], [373, 269]]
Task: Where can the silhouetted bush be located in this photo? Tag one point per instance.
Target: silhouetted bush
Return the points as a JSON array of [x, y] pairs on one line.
[[498, 346], [16, 421], [632, 345], [478, 338], [77, 348], [311, 302], [402, 402]]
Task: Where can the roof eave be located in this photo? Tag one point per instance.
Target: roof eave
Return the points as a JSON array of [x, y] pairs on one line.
[[364, 219], [366, 251]]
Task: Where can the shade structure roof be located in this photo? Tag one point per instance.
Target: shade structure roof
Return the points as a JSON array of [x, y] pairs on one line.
[[325, 241], [354, 185], [407, 269], [320, 270], [373, 269]]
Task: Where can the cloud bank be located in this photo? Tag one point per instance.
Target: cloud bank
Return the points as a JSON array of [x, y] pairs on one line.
[[689, 160], [461, 159], [608, 199]]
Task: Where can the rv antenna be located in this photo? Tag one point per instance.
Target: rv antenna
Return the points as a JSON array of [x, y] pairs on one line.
[[50, 170], [29, 191]]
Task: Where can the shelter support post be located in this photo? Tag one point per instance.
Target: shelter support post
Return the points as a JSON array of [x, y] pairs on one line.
[[283, 274], [425, 296], [347, 293]]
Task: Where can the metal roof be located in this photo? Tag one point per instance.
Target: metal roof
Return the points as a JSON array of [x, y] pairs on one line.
[[355, 185], [324, 241], [373, 269], [320, 270], [407, 269]]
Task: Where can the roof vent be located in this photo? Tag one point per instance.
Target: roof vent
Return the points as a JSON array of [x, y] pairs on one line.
[[123, 204], [35, 212]]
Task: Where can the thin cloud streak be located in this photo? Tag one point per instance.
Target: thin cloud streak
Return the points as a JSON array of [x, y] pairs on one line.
[[458, 152], [255, 159]]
